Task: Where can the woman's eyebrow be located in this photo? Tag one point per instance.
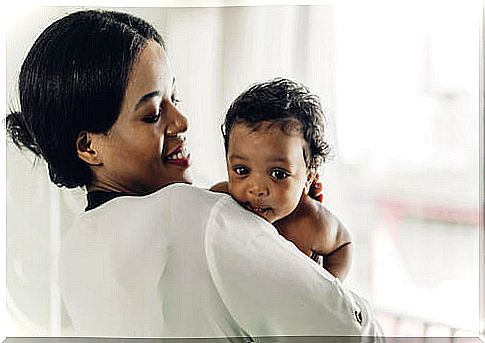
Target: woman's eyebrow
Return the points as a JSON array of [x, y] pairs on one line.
[[146, 98]]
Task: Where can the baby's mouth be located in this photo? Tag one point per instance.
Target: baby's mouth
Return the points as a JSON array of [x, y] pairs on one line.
[[259, 210]]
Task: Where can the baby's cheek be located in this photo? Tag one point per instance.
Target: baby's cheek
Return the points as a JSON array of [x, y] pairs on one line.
[[293, 197], [235, 190], [286, 202]]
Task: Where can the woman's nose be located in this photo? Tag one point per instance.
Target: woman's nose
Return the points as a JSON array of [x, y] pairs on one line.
[[177, 122]]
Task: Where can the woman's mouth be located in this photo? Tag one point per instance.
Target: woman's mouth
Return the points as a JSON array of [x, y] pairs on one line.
[[180, 157]]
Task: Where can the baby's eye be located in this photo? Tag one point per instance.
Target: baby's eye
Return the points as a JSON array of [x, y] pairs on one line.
[[279, 174], [241, 170]]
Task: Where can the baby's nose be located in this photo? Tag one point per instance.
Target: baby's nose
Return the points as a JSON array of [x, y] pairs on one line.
[[258, 189]]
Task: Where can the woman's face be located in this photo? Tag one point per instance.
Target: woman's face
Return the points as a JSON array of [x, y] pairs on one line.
[[145, 148]]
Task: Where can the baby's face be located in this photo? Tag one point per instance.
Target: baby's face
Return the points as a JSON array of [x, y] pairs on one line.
[[267, 170]]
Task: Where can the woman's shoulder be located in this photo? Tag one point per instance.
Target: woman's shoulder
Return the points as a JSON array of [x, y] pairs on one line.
[[212, 204], [170, 193], [158, 212], [186, 192], [174, 199]]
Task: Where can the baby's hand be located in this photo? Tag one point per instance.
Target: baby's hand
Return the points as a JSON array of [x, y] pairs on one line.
[[315, 191], [221, 187]]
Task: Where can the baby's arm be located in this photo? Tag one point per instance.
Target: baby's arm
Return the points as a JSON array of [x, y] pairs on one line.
[[314, 229], [334, 243]]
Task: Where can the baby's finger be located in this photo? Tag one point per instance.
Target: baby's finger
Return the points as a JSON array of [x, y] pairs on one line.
[[317, 186], [316, 192]]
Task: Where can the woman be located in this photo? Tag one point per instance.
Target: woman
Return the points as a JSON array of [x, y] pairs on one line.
[[153, 255]]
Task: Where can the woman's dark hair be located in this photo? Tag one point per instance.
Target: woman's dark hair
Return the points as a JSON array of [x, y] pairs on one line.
[[281, 101], [72, 80]]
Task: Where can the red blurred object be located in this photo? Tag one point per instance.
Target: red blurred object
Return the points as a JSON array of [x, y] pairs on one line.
[[315, 190]]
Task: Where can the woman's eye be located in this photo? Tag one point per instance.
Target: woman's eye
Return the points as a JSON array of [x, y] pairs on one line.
[[152, 119], [241, 170], [279, 174], [155, 117]]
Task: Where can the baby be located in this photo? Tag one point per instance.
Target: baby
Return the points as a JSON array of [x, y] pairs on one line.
[[274, 141]]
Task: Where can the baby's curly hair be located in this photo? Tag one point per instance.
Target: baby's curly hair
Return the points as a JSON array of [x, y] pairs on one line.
[[282, 101]]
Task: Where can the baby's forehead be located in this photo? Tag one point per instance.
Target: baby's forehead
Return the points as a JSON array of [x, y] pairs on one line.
[[291, 127], [249, 133]]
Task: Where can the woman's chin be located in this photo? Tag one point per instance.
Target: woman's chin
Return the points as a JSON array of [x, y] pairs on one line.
[[183, 175]]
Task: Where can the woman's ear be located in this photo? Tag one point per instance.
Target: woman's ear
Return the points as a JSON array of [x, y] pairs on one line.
[[86, 149]]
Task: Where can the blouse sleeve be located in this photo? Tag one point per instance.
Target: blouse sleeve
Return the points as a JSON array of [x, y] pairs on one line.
[[271, 288]]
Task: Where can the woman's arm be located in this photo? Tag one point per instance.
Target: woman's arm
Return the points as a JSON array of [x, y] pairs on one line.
[[270, 288]]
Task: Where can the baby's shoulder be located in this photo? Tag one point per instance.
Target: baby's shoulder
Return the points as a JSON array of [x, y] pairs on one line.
[[325, 217], [327, 223]]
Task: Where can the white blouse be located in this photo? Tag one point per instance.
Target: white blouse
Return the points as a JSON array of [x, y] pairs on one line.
[[186, 262]]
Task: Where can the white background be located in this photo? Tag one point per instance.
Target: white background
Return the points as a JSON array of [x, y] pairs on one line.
[[399, 82]]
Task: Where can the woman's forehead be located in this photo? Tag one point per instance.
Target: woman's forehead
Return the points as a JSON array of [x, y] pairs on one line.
[[151, 73]]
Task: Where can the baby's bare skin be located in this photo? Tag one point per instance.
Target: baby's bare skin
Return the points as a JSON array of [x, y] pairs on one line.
[[314, 229]]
